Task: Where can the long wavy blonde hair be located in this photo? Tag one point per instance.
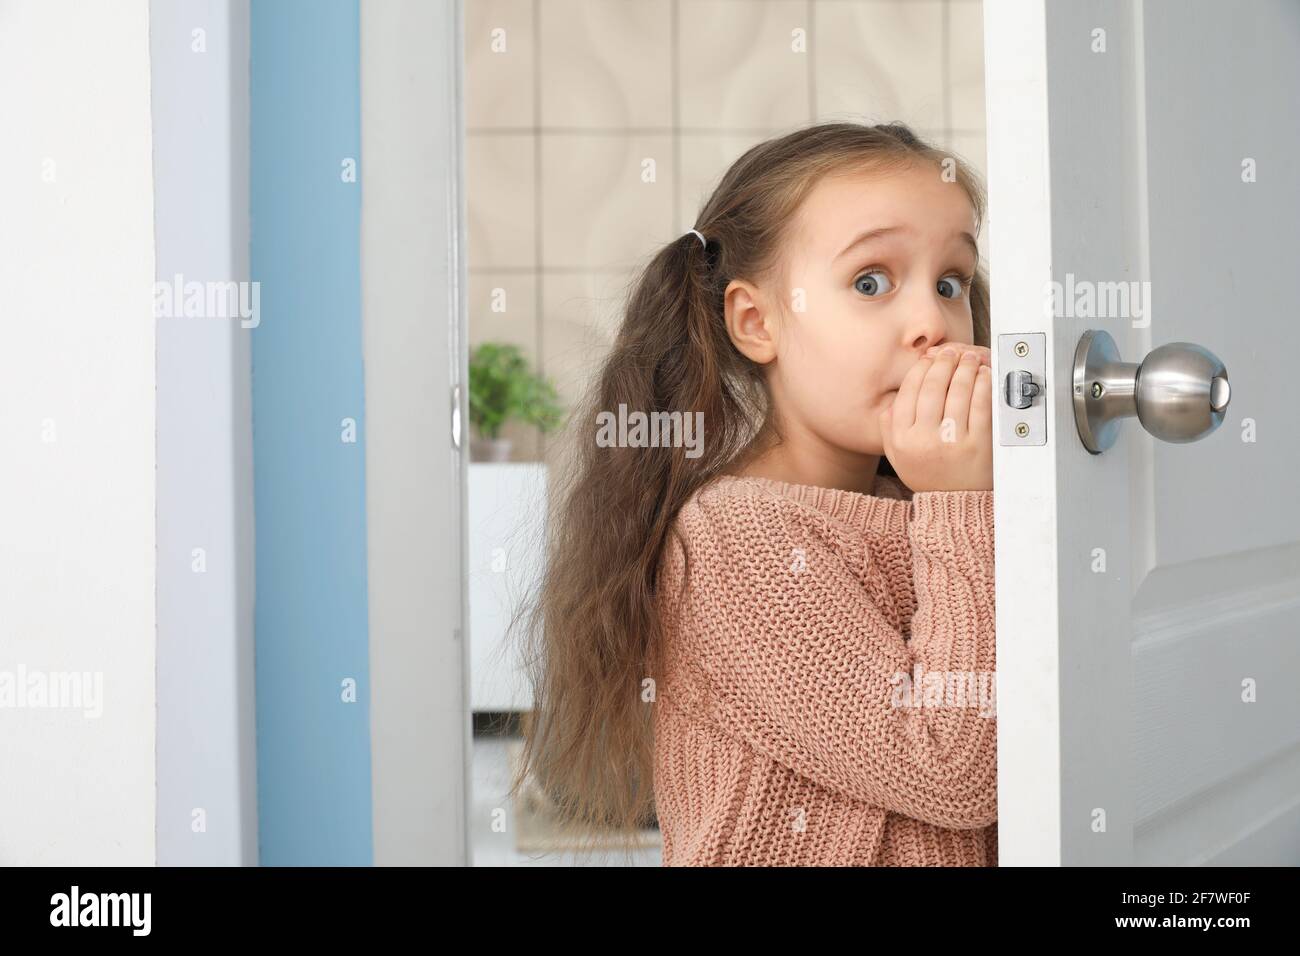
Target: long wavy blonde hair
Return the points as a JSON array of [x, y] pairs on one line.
[[591, 629]]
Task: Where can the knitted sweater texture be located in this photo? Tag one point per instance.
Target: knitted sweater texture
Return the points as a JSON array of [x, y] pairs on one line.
[[824, 684]]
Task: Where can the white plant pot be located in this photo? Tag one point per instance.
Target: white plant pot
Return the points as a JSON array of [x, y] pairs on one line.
[[490, 449]]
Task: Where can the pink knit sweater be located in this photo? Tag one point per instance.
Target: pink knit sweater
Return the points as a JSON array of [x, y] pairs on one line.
[[785, 733]]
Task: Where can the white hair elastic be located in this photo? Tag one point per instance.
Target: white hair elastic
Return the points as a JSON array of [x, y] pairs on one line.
[[703, 241]]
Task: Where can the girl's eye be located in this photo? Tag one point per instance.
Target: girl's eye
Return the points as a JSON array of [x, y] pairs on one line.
[[955, 283], [868, 284]]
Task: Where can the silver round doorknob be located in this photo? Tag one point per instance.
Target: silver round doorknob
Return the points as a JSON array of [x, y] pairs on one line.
[[1179, 392]]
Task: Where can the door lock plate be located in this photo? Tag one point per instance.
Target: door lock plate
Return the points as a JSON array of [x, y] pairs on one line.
[[1022, 394]]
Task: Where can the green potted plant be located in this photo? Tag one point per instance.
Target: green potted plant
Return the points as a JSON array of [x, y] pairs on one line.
[[503, 388]]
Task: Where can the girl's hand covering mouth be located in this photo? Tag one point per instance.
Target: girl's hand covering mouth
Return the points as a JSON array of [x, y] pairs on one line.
[[938, 432]]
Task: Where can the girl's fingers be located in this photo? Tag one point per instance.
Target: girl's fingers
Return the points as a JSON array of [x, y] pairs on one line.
[[934, 390], [981, 401], [957, 406], [904, 413], [982, 351]]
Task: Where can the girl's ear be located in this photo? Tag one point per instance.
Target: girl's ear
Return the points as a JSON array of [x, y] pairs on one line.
[[749, 322]]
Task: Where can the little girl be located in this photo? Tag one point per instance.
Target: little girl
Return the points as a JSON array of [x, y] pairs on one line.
[[756, 640]]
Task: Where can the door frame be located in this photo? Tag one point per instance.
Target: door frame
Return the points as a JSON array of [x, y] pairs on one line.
[[415, 317]]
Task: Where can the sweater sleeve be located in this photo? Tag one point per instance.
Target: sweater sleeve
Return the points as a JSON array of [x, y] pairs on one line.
[[806, 669]]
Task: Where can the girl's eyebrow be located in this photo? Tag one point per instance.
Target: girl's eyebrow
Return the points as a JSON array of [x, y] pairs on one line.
[[869, 236], [872, 234]]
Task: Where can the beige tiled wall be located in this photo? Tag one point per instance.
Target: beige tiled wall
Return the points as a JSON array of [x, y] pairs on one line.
[[568, 99]]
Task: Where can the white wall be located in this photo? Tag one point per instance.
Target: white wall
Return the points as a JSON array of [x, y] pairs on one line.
[[507, 555], [207, 784], [77, 389]]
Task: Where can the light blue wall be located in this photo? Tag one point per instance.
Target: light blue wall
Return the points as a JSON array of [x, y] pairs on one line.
[[313, 768]]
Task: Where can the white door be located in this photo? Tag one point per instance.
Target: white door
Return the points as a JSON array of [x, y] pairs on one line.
[[1142, 156]]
